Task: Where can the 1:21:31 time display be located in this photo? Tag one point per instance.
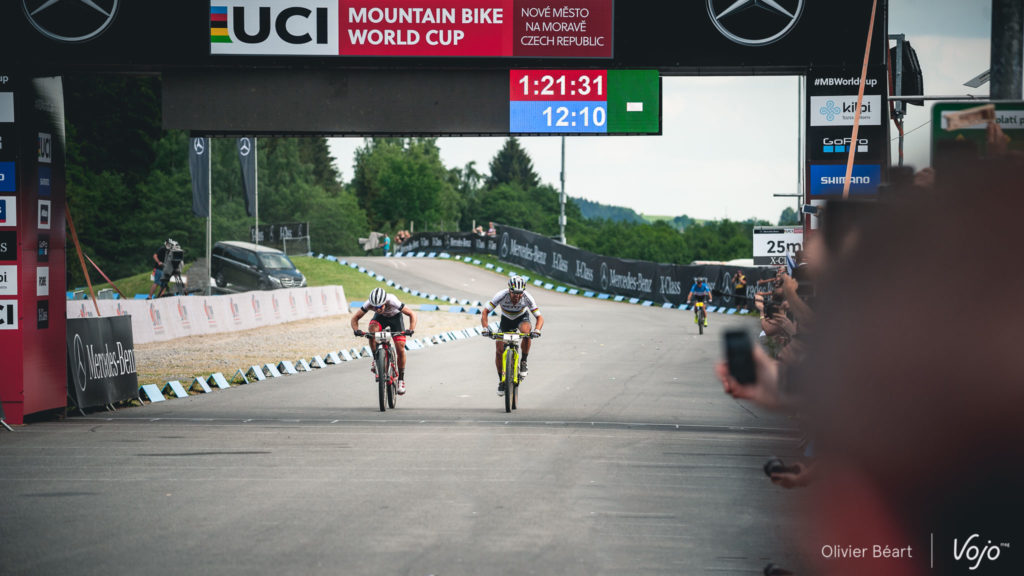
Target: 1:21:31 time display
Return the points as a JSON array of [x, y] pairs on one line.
[[559, 85]]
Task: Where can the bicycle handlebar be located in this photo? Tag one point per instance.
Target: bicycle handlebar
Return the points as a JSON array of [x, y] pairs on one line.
[[501, 335]]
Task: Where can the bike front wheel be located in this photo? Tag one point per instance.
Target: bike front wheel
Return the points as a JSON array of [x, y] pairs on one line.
[[511, 370], [700, 320], [392, 383], [382, 377]]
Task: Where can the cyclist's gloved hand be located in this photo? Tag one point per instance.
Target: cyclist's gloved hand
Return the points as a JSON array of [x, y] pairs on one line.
[[485, 333], [534, 334], [359, 333], [408, 332]]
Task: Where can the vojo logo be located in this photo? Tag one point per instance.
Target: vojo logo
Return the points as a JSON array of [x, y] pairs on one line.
[[70, 20], [291, 27], [755, 22]]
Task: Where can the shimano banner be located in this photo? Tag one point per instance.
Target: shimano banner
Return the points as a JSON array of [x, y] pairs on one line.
[[101, 361], [647, 281]]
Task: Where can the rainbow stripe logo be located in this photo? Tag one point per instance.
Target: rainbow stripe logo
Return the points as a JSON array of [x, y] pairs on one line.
[[219, 24]]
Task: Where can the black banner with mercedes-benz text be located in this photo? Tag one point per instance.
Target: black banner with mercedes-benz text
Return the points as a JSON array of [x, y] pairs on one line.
[[101, 361], [646, 281]]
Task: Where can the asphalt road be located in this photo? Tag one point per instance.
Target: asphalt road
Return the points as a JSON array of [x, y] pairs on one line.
[[624, 457]]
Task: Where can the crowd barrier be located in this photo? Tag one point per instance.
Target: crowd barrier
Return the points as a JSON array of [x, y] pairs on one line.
[[182, 316], [645, 281]]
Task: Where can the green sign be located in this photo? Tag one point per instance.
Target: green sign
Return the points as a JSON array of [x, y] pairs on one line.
[[1008, 115]]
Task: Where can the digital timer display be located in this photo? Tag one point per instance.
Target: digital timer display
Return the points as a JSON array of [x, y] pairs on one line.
[[584, 102]]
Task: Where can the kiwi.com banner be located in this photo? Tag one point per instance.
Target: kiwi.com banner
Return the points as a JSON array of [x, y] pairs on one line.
[[183, 316], [646, 281]]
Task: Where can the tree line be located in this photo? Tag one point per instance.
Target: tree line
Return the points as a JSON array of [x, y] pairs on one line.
[[129, 189]]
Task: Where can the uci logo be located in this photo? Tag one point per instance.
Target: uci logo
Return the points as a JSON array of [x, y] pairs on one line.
[[278, 27]]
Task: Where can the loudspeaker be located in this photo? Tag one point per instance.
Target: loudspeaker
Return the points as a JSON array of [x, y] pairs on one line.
[[913, 79]]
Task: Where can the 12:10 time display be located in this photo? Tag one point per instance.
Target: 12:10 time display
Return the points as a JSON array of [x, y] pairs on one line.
[[570, 116]]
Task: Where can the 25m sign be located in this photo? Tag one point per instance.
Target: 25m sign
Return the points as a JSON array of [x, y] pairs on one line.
[[772, 244]]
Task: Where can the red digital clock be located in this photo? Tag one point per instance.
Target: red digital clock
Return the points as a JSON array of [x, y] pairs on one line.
[[558, 85]]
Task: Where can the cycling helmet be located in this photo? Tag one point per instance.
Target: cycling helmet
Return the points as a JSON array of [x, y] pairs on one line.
[[377, 297], [516, 284]]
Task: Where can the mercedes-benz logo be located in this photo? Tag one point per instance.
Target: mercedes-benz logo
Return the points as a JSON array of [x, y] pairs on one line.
[[504, 244], [727, 288], [755, 22], [244, 146], [70, 20], [199, 145], [604, 276], [79, 373]]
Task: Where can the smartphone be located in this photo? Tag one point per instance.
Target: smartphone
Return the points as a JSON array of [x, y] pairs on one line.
[[739, 355]]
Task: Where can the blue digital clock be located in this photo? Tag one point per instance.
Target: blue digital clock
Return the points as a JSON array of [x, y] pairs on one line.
[[529, 116]]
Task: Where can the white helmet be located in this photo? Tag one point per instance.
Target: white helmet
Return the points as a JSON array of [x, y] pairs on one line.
[[377, 297], [516, 284]]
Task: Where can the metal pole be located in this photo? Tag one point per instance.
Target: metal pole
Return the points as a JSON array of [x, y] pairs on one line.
[[209, 215], [561, 216], [1007, 52], [256, 189]]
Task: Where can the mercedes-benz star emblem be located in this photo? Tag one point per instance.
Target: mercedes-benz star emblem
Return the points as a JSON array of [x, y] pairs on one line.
[[81, 377], [755, 22], [70, 20], [504, 244], [604, 276], [244, 146], [199, 144]]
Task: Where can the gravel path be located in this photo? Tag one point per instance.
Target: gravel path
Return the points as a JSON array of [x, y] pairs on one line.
[[185, 358]]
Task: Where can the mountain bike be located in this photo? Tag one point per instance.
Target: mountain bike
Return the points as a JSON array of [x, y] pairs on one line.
[[510, 375], [701, 312], [385, 359]]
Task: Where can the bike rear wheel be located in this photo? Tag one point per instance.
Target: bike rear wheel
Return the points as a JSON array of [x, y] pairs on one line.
[[511, 359], [382, 377]]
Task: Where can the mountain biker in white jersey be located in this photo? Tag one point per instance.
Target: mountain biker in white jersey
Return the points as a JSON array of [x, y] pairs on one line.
[[387, 313], [516, 305]]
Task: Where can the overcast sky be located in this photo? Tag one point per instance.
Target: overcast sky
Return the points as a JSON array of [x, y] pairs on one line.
[[720, 156]]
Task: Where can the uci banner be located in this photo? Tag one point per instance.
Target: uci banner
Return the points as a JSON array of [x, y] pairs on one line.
[[101, 361], [647, 281]]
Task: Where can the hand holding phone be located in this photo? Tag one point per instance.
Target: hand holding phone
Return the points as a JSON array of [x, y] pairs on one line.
[[739, 356]]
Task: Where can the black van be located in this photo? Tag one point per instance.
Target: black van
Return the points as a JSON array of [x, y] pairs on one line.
[[244, 266]]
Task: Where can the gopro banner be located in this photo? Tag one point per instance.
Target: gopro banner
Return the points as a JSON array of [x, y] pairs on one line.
[[247, 159], [648, 281], [101, 361], [199, 168]]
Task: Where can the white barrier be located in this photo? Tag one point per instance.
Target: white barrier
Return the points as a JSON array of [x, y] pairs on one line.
[[182, 316]]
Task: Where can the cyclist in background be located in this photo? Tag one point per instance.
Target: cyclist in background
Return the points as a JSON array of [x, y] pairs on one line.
[[387, 313], [516, 305], [702, 293]]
